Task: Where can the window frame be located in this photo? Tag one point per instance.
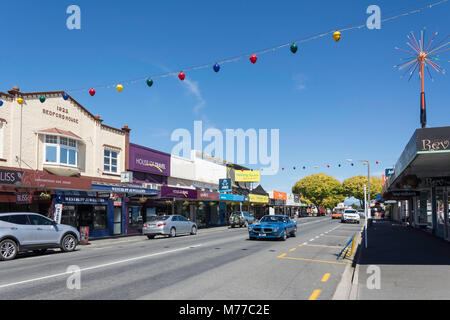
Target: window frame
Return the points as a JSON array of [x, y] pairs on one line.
[[59, 145], [110, 161]]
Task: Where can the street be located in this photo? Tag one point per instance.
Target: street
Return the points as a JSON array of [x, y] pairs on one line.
[[215, 264]]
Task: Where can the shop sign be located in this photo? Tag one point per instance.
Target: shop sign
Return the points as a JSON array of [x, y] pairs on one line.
[[23, 197], [11, 177], [83, 200], [170, 192], [296, 198], [279, 195], [246, 198], [388, 172], [225, 185], [259, 198], [231, 197], [121, 189], [206, 195], [405, 194], [247, 175], [45, 180], [436, 182], [147, 160], [58, 212]]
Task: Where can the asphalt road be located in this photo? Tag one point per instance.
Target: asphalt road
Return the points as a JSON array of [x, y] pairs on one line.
[[218, 264]]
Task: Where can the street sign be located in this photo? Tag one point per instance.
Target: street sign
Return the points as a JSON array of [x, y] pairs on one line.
[[225, 185], [58, 212]]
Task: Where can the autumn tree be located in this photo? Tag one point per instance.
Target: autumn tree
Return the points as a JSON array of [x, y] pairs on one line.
[[354, 187], [320, 189]]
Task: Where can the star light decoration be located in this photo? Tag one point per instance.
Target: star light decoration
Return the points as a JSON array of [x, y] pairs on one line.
[[422, 57]]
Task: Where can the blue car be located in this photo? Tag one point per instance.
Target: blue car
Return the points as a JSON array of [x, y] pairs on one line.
[[273, 227]]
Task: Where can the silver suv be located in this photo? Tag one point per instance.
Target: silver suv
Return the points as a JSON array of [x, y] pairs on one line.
[[26, 231]]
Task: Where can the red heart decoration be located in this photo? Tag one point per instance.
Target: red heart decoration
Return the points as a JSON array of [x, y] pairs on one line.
[[253, 59], [181, 76], [92, 92]]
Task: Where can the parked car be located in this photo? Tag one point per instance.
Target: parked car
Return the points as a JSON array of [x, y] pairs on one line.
[[241, 219], [361, 213], [21, 232], [350, 215], [171, 226], [273, 226], [336, 215]]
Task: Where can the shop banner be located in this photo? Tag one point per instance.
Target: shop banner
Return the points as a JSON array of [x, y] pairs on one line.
[[296, 199], [170, 192], [225, 185], [231, 197], [258, 198], [58, 213], [45, 180], [279, 195], [23, 198], [11, 177], [123, 189], [207, 195], [247, 175], [147, 160]]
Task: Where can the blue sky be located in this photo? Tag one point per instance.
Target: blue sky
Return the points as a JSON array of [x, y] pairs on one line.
[[330, 101]]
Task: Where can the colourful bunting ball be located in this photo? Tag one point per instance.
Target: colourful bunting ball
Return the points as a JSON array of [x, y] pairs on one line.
[[304, 167], [20, 101], [149, 82], [337, 36], [216, 67], [294, 168], [328, 166], [377, 162], [181, 76], [253, 59], [119, 87], [1, 103], [294, 48], [65, 96], [92, 92], [42, 99]]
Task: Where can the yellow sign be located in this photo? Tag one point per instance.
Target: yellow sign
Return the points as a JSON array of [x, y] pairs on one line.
[[247, 176], [259, 199]]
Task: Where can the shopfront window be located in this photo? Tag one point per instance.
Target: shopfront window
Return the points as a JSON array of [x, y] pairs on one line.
[[61, 150], [182, 208], [69, 216], [100, 218]]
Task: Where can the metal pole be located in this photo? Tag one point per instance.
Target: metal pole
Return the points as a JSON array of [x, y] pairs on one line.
[[368, 186], [365, 213]]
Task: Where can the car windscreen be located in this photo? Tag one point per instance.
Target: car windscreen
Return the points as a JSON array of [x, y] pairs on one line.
[[350, 211], [272, 219], [157, 218], [234, 214]]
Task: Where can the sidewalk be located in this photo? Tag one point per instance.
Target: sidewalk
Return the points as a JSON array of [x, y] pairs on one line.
[[413, 264]]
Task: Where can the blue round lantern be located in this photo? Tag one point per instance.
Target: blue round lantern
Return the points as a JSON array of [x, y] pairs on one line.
[[1, 103], [304, 168], [216, 67], [65, 96]]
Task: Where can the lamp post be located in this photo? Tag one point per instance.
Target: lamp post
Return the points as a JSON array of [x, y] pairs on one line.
[[366, 198]]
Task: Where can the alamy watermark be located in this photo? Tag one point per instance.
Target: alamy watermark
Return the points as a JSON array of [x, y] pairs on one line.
[[232, 144], [374, 20], [74, 280], [374, 280], [73, 22]]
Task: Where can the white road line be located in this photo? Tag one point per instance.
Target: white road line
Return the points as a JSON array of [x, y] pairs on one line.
[[96, 267], [311, 240]]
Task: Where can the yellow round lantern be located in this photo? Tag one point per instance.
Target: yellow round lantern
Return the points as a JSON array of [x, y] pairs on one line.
[[119, 87], [337, 36], [20, 100]]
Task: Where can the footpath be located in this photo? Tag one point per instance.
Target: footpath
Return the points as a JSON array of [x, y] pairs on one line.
[[402, 263]]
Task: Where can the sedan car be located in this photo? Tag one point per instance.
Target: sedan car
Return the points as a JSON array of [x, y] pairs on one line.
[[273, 226], [168, 225], [20, 232]]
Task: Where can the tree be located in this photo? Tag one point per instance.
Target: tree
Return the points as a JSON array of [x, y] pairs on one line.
[[320, 189], [354, 187], [332, 201]]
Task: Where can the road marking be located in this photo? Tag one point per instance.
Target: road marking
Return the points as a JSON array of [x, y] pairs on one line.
[[321, 234], [315, 294], [293, 249], [325, 277], [311, 240], [282, 256], [311, 260], [96, 267]]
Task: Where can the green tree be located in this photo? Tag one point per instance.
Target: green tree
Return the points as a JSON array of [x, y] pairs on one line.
[[332, 201], [320, 189], [354, 187]]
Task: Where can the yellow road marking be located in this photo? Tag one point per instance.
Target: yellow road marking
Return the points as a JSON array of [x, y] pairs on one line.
[[282, 256], [310, 260], [293, 249], [326, 277], [315, 294]]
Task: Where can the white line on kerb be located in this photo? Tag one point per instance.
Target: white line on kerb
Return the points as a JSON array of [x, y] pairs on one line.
[[96, 267]]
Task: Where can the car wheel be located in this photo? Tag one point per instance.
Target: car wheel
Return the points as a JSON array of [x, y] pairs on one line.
[[68, 243], [284, 237], [150, 236], [173, 233], [294, 233], [8, 250], [194, 230]]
